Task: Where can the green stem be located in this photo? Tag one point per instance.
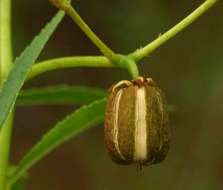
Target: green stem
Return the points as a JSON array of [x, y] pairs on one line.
[[68, 62], [5, 66], [5, 137], [126, 62], [119, 61], [67, 7], [148, 49], [5, 39]]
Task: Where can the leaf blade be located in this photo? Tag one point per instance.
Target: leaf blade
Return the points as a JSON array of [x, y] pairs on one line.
[[80, 120], [61, 94], [22, 66]]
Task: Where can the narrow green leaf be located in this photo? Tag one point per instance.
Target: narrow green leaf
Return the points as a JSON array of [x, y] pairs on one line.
[[20, 184], [72, 125], [62, 94], [22, 66]]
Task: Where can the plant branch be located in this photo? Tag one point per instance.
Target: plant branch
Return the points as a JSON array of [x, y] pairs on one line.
[[126, 61], [5, 66], [5, 39], [5, 138], [68, 62], [67, 7], [148, 49], [119, 61]]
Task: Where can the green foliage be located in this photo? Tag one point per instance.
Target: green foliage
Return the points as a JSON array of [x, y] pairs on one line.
[[20, 184], [62, 94], [22, 66], [72, 125], [78, 121]]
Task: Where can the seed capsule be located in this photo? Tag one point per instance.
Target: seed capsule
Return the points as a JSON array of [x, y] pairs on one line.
[[136, 119]]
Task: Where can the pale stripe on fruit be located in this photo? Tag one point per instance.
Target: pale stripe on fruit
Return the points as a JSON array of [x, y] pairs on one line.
[[115, 129], [140, 147]]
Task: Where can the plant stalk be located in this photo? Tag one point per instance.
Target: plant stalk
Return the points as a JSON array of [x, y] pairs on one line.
[[120, 61], [5, 138], [5, 39], [148, 49], [67, 7], [68, 62], [5, 66]]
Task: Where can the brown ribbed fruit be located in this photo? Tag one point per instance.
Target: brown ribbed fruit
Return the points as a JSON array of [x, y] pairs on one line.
[[136, 123]]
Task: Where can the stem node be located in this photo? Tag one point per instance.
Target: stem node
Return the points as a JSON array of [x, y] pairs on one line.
[[126, 61], [60, 4]]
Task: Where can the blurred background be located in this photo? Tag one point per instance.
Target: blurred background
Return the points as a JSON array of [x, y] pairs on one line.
[[189, 68]]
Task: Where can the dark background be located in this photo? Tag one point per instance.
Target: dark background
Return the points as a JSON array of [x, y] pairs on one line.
[[189, 68]]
